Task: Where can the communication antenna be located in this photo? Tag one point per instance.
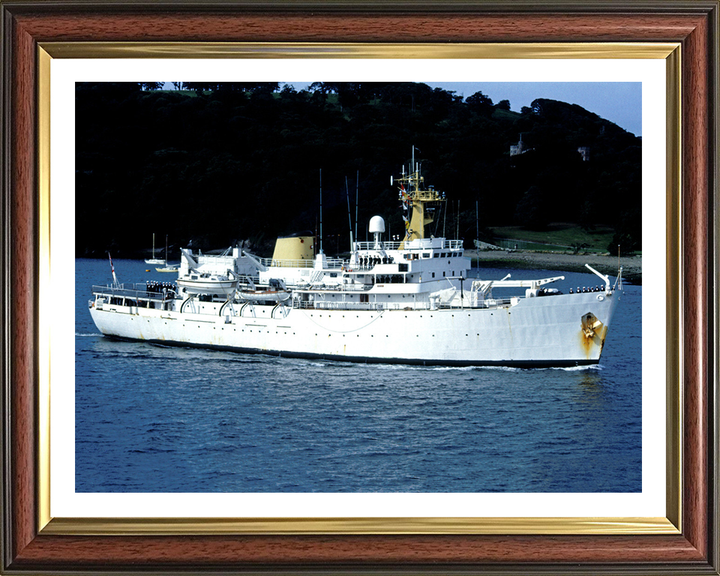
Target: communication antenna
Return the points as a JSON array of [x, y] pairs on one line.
[[347, 193], [357, 191], [457, 225], [444, 221], [477, 221], [477, 231], [321, 234]]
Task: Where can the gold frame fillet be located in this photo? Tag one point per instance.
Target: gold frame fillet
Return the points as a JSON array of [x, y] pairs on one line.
[[671, 524]]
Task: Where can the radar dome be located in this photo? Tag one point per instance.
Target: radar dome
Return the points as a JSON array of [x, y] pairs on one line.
[[377, 225]]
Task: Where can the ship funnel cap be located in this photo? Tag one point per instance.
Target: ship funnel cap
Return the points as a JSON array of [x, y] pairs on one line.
[[377, 225]]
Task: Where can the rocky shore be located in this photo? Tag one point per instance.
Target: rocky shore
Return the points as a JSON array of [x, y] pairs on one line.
[[632, 265]]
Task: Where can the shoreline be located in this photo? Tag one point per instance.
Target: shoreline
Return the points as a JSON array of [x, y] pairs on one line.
[[632, 265]]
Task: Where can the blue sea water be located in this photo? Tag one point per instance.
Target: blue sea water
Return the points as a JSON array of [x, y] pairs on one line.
[[152, 418]]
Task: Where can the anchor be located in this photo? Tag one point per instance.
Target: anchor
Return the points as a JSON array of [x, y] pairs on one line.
[[590, 325]]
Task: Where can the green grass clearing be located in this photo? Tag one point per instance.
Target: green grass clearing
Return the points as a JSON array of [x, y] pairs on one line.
[[559, 235]]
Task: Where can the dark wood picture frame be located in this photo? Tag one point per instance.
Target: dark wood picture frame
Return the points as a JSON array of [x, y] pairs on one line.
[[26, 24]]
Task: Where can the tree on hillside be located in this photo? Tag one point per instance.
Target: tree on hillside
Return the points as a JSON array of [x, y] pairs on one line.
[[480, 103]]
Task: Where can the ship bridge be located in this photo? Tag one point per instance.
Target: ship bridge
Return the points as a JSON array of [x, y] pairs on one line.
[[416, 261]]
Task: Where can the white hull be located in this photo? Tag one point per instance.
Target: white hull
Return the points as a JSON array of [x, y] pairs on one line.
[[535, 332]]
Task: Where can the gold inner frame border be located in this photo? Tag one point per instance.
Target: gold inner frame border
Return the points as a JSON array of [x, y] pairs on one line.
[[671, 524]]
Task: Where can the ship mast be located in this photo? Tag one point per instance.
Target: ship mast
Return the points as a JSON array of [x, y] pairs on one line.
[[321, 231], [418, 204]]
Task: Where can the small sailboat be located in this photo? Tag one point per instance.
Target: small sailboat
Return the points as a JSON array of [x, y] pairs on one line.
[[153, 260], [167, 267]]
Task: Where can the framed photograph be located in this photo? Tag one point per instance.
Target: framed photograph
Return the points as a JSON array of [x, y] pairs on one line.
[[660, 515]]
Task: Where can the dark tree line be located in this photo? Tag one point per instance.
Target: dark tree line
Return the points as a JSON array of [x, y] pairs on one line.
[[213, 164]]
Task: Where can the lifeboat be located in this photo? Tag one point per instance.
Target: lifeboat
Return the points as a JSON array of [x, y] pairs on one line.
[[215, 284], [264, 295]]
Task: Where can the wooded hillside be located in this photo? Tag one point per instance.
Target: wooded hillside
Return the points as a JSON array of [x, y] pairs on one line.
[[214, 164]]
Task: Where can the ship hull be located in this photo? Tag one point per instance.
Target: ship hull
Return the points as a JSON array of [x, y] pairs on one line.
[[547, 331]]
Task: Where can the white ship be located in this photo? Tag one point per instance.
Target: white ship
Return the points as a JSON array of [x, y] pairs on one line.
[[408, 301]]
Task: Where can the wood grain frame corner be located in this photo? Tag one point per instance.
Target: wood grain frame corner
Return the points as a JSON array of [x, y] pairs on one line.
[[693, 24]]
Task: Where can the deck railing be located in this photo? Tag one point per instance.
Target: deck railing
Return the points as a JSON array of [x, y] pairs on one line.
[[305, 263], [423, 244], [395, 305], [134, 291]]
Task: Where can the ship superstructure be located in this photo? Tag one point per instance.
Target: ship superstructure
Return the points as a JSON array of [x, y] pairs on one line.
[[407, 301]]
